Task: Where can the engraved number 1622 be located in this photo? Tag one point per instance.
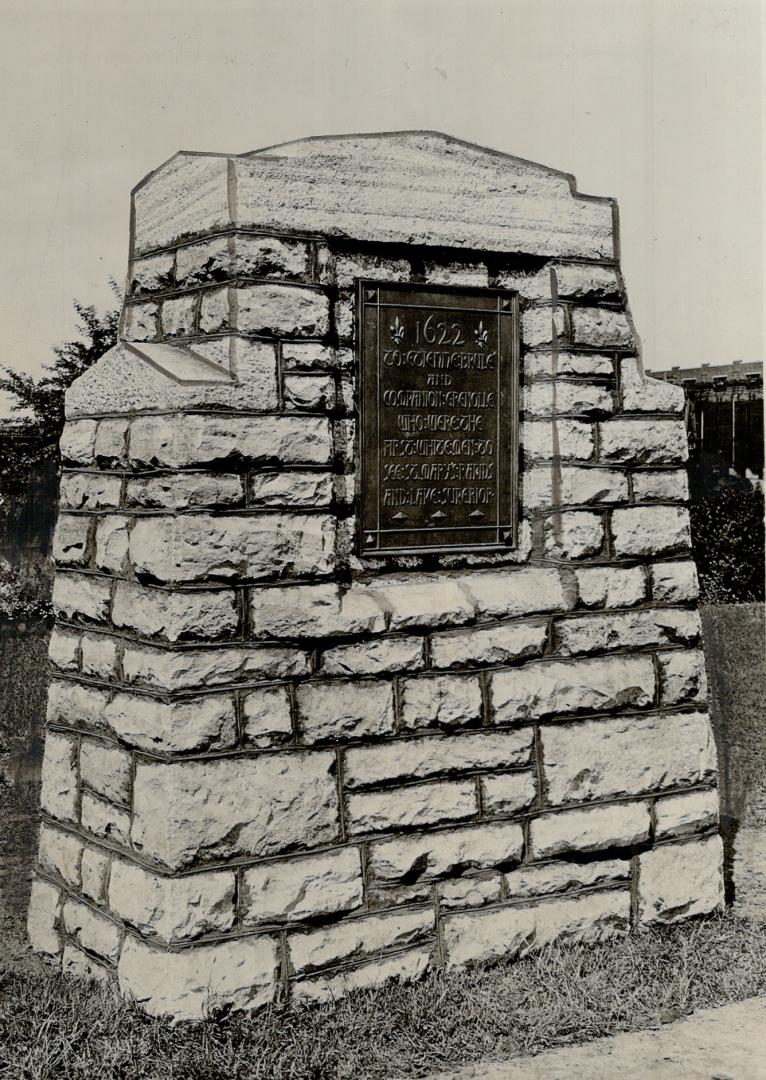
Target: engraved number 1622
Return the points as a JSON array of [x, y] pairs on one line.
[[431, 332]]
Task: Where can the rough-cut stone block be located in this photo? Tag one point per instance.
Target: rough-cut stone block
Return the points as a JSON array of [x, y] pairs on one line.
[[99, 656], [529, 284], [642, 393], [175, 909], [448, 852], [542, 325], [266, 716], [104, 819], [71, 540], [77, 596], [77, 442], [58, 793], [583, 281], [488, 645], [175, 616], [408, 807], [74, 705], [178, 316], [404, 967], [546, 399], [64, 649], [551, 687], [644, 442], [423, 601], [682, 676], [194, 984], [440, 701], [554, 877], [306, 888], [650, 530], [106, 769], [470, 892], [567, 485], [676, 881], [207, 723], [674, 582], [310, 356], [627, 630], [184, 491], [109, 449], [350, 267], [570, 440], [92, 931], [594, 828], [259, 546], [209, 261], [507, 593], [94, 874], [291, 489], [43, 917], [624, 756], [510, 932], [381, 657], [313, 611], [663, 485], [205, 810], [139, 322], [610, 587], [85, 491], [75, 962], [332, 945], [546, 365], [180, 442], [152, 274], [282, 310], [601, 328], [436, 755], [61, 853], [456, 273], [162, 669], [310, 393], [575, 534], [112, 535], [241, 256], [344, 710], [508, 793], [682, 815]]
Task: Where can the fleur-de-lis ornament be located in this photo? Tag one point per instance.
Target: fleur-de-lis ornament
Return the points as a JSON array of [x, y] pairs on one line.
[[481, 335], [397, 331]]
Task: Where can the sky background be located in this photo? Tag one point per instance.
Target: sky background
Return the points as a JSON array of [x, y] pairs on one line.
[[656, 102]]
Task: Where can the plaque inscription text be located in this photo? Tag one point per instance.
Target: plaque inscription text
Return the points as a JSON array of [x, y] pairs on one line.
[[439, 418]]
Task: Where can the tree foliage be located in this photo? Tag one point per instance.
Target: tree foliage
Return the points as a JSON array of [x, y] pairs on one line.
[[728, 538]]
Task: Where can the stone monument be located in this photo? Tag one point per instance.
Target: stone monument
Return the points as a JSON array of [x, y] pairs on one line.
[[377, 643]]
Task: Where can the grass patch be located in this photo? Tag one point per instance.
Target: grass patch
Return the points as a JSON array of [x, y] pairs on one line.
[[52, 1027]]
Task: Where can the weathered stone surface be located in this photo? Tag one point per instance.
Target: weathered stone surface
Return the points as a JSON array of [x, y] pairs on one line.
[[488, 645], [206, 723], [310, 356], [674, 582], [508, 793], [196, 983], [470, 891], [650, 530], [554, 877], [456, 273], [546, 399], [682, 676], [43, 917], [436, 755], [184, 491], [61, 852], [511, 932], [94, 873], [112, 534], [682, 815], [507, 593], [175, 909], [99, 656], [241, 256], [178, 316], [567, 485], [312, 393], [423, 601], [611, 587], [676, 881], [601, 328], [74, 705], [163, 669], [152, 274], [408, 807], [78, 596], [106, 769], [183, 441], [665, 485], [584, 281], [594, 828], [404, 967], [449, 852], [87, 491], [299, 611], [104, 819], [351, 266], [551, 687], [77, 442], [642, 393], [282, 310], [58, 791], [266, 716], [440, 701], [175, 616], [542, 364], [255, 546], [75, 962], [541, 325], [204, 810], [289, 489], [575, 534], [109, 449], [623, 756], [139, 322], [344, 710], [570, 440], [529, 284], [644, 442], [354, 938], [302, 888], [627, 630], [381, 657], [64, 649], [71, 540], [92, 931]]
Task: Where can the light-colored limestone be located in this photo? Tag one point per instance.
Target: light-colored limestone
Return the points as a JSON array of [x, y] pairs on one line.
[[666, 485], [152, 274], [99, 656], [651, 530], [644, 442], [553, 877], [64, 649], [59, 785], [505, 594], [585, 281], [71, 540], [91, 930], [642, 393], [206, 723], [139, 322], [601, 328], [174, 615], [409, 807], [456, 273], [310, 393], [382, 657], [109, 448], [681, 815], [423, 601], [43, 917], [508, 793], [61, 852], [545, 365], [162, 669], [356, 938], [542, 325], [627, 630], [291, 489], [575, 534], [469, 891], [302, 888], [676, 881], [94, 873], [75, 962], [610, 587], [175, 909], [449, 701], [682, 676], [106, 769], [184, 491], [76, 596], [674, 582], [74, 705], [593, 828], [179, 316], [77, 442], [266, 716], [568, 485], [447, 852], [105, 820], [310, 356], [299, 611], [405, 967], [488, 645], [112, 535], [86, 491], [544, 399], [344, 710], [570, 440]]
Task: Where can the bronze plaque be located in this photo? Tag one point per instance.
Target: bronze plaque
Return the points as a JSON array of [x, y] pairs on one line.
[[439, 418]]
